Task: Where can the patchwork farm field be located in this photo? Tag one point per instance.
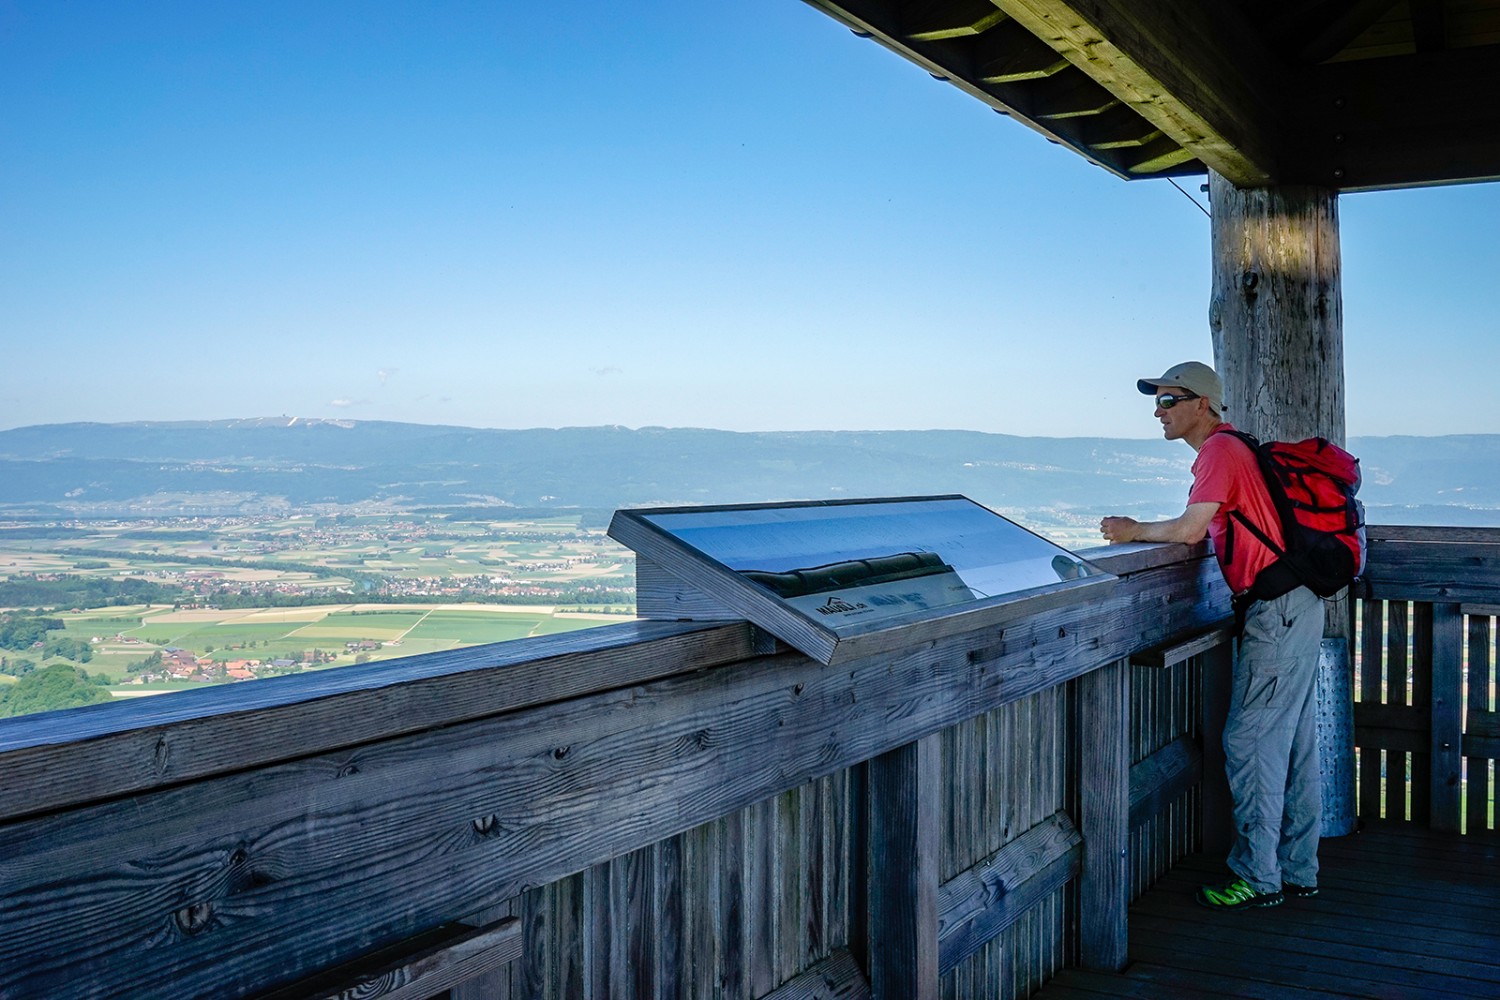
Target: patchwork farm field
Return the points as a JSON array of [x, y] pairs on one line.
[[275, 641], [235, 599]]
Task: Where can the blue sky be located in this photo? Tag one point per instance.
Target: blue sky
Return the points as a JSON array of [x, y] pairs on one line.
[[683, 214]]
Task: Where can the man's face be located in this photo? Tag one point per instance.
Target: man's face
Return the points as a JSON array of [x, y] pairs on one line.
[[1179, 419]]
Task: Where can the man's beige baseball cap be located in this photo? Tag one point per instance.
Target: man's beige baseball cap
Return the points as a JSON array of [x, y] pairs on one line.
[[1195, 377]]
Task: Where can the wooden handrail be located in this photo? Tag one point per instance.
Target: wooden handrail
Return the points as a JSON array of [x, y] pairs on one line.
[[446, 786]]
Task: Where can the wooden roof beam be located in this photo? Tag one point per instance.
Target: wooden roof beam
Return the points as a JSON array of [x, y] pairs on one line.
[[1191, 69], [927, 20]]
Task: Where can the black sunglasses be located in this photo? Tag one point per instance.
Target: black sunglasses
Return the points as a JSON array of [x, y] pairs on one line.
[[1166, 400]]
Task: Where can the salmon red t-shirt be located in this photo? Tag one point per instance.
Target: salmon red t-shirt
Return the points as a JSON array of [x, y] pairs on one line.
[[1226, 472]]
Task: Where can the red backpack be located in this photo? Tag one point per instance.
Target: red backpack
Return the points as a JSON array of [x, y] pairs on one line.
[[1312, 485]]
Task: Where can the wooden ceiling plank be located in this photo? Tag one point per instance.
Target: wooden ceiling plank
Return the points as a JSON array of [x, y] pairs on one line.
[[1428, 27], [1425, 118], [1157, 157], [1118, 128], [1193, 70], [1344, 23], [929, 20], [1008, 53], [1071, 94]]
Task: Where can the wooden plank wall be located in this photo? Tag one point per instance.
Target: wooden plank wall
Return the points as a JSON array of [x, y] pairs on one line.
[[1007, 773], [1165, 709], [731, 908], [1427, 730], [740, 906]]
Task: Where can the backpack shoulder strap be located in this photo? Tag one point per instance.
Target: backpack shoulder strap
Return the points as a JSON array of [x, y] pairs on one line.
[[1250, 441]]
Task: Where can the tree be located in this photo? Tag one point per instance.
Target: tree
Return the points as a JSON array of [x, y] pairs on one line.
[[51, 688]]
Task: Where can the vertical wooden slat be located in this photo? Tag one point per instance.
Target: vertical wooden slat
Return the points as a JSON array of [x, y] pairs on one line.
[[1371, 669], [596, 934], [633, 909], [1421, 699], [791, 928], [760, 897], [1480, 677], [1396, 693], [904, 789], [529, 973], [671, 918], [568, 922], [1446, 696], [1104, 816], [733, 972], [856, 911], [1217, 808]]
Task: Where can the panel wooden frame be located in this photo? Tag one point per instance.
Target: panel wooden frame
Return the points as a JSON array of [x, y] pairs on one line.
[[681, 579]]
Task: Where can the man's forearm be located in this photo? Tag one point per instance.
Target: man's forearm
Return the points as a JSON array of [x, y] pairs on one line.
[[1189, 528]]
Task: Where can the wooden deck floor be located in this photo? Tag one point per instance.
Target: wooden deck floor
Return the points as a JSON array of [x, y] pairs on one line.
[[1401, 913]]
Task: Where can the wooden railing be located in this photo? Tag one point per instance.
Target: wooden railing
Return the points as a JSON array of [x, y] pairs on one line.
[[640, 810], [1427, 732]]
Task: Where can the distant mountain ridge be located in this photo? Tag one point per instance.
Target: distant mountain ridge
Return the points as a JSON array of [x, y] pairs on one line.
[[297, 462]]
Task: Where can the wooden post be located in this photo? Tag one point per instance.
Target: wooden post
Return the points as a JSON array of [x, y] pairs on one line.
[[1104, 816], [1277, 314], [1447, 718], [1277, 319], [903, 827]]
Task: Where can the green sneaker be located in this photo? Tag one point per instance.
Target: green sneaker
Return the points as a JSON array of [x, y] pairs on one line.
[[1299, 891], [1235, 895]]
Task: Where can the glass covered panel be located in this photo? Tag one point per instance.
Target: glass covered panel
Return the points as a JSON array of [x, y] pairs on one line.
[[846, 563]]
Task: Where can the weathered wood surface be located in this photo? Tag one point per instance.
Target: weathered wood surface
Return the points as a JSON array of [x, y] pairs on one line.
[[838, 977], [1104, 815], [1174, 653], [225, 885], [1370, 668], [1447, 720], [978, 904], [1401, 912], [1171, 65], [1163, 777], [1432, 571], [69, 758], [904, 785], [1414, 725], [679, 837], [423, 972], [1006, 775], [1483, 724], [1276, 312]]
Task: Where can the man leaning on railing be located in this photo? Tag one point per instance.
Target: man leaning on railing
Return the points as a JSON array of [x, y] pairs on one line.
[[1270, 737]]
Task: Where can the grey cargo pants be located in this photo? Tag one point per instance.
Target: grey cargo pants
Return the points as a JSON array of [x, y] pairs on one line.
[[1271, 743]]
